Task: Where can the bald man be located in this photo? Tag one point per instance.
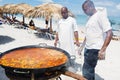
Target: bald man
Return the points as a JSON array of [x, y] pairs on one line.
[[98, 37], [67, 30]]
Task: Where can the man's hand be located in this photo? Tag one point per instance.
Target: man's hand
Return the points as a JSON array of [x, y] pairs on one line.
[[55, 43], [77, 43], [101, 55]]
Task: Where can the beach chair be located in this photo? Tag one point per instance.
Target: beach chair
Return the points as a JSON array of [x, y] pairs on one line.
[[40, 34], [49, 36], [45, 33], [115, 37]]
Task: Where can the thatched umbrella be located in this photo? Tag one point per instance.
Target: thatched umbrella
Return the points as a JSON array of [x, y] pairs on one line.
[[8, 8], [22, 8], [45, 10], [49, 10]]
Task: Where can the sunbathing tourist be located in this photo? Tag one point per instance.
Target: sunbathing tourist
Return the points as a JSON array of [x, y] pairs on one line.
[[31, 25]]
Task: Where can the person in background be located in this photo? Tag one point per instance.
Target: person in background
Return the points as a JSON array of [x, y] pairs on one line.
[[31, 25], [46, 22], [66, 32], [1, 22], [97, 39], [15, 20]]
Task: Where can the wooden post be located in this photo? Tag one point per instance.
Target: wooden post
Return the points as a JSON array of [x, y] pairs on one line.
[[23, 19], [74, 75], [51, 25]]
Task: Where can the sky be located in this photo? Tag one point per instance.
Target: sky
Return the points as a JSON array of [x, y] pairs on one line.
[[112, 6]]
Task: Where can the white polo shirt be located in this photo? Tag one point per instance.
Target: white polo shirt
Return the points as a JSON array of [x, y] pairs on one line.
[[96, 27], [65, 29]]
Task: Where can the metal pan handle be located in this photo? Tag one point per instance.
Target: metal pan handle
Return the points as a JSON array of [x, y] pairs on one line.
[[21, 72], [72, 57], [42, 44]]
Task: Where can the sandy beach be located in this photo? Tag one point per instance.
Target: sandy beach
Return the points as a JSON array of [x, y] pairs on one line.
[[108, 69]]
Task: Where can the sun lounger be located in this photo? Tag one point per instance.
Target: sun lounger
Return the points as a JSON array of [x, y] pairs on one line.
[[115, 37], [44, 33], [49, 36]]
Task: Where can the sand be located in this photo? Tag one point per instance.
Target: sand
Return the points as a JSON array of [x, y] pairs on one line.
[[108, 69]]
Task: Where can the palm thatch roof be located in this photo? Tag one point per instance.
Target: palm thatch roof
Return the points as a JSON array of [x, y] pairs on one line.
[[46, 10], [8, 8], [21, 8]]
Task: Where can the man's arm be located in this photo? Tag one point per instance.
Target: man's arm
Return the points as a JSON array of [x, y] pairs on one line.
[[108, 38]]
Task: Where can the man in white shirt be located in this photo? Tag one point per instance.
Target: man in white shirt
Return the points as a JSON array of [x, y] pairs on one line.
[[66, 32], [98, 37]]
